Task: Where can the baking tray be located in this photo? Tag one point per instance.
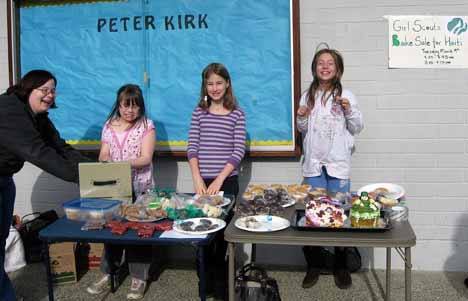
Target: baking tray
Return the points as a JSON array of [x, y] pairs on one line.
[[298, 223]]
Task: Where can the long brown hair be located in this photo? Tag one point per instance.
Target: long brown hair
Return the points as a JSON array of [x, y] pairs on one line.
[[335, 88], [129, 94], [229, 100]]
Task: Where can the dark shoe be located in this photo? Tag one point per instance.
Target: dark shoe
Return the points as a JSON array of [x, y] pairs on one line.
[[466, 282], [311, 278], [342, 278]]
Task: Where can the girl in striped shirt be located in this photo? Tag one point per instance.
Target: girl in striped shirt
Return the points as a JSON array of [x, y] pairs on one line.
[[216, 143]]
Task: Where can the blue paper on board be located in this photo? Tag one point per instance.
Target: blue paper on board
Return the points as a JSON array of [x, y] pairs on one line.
[[94, 48]]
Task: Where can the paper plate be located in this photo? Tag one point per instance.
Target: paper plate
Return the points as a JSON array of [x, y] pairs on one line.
[[262, 223], [197, 221], [395, 191]]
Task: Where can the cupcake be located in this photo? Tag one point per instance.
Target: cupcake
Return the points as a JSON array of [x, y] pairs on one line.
[[365, 212]]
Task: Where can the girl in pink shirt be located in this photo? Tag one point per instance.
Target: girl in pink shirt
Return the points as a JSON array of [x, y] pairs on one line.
[[129, 136]]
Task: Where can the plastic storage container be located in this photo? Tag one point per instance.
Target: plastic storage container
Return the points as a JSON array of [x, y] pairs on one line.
[[398, 213], [91, 209]]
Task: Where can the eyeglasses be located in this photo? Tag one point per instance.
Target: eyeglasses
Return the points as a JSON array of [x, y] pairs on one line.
[[46, 91]]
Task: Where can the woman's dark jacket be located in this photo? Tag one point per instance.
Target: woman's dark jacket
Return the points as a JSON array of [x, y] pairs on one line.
[[33, 138]]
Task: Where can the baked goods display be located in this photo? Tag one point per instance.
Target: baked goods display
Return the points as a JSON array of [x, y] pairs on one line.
[[152, 207], [365, 212], [324, 212], [317, 192], [283, 195], [196, 226], [260, 206], [212, 211], [386, 202], [250, 222], [387, 194], [383, 196], [203, 225], [141, 212], [212, 200], [299, 192]]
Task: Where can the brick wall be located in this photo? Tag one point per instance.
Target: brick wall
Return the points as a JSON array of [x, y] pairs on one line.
[[415, 132]]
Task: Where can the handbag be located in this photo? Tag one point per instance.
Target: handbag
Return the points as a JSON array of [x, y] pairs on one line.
[[14, 251], [29, 228], [253, 284]]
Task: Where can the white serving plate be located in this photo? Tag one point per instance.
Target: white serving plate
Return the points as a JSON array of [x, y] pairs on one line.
[[196, 221], [266, 223], [395, 191]]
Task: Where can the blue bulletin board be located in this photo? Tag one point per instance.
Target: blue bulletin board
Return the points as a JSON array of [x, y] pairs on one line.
[[94, 47]]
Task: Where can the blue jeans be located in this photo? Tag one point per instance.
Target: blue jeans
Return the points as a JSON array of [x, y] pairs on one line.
[[328, 182], [7, 203]]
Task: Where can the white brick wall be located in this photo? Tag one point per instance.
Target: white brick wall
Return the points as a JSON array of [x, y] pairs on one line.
[[415, 132]]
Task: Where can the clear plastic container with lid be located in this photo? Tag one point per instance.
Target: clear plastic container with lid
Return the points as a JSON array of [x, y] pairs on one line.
[[91, 209]]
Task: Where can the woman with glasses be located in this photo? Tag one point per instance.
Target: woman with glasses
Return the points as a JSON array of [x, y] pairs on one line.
[[27, 134]]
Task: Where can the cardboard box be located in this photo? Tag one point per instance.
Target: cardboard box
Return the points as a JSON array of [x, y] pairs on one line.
[[63, 263], [106, 180], [94, 255]]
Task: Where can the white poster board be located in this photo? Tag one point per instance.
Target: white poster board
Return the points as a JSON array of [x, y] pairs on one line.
[[428, 41]]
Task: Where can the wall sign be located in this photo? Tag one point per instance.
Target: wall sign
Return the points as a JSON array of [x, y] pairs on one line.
[[428, 41]]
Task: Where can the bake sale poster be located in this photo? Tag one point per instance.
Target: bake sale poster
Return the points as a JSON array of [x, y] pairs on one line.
[[428, 41]]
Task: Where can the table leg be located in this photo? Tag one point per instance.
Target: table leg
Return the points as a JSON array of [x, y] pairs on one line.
[[232, 270], [388, 278], [408, 274], [202, 272], [253, 253], [112, 268], [50, 285]]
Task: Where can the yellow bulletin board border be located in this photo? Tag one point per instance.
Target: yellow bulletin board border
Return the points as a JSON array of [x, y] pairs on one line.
[[178, 148], [184, 143]]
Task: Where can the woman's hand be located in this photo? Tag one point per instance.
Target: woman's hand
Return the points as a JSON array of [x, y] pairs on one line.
[[303, 111], [215, 186], [344, 102], [199, 186]]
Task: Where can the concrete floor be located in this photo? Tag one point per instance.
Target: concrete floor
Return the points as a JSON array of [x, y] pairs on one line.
[[181, 284]]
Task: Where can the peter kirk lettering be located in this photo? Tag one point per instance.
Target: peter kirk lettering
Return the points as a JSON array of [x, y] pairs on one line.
[[149, 22]]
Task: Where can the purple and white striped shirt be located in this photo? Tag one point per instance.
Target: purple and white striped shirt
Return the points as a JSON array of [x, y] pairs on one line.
[[216, 140]]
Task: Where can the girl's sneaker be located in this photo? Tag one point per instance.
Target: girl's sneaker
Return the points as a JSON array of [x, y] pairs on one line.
[[100, 286], [137, 289]]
